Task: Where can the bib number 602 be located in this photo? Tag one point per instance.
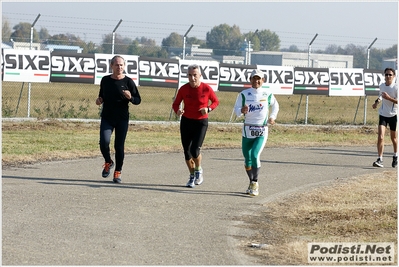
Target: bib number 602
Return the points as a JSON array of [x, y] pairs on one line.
[[257, 131]]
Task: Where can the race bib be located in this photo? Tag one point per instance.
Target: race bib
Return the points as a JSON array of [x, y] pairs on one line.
[[254, 131]]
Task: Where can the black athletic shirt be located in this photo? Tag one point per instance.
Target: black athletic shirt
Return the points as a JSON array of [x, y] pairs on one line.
[[115, 105]]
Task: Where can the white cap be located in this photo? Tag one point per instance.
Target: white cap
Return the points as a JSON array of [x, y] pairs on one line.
[[257, 72]]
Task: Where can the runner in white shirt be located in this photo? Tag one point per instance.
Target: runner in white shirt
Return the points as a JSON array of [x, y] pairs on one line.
[[387, 116], [254, 103]]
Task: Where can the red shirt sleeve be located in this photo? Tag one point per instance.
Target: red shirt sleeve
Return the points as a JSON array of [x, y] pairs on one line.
[[178, 99]]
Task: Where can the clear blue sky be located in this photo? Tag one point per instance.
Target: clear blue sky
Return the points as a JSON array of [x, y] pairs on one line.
[[340, 23]]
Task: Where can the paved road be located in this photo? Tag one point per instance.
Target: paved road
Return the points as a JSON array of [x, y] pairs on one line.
[[64, 213]]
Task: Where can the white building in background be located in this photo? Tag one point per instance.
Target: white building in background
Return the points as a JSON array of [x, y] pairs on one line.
[[38, 46], [62, 48], [390, 63], [23, 45], [296, 59], [274, 58], [193, 52], [5, 46]]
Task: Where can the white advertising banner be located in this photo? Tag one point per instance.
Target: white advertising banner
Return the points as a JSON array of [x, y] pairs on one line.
[[26, 66], [103, 67], [346, 82], [279, 80], [209, 72]]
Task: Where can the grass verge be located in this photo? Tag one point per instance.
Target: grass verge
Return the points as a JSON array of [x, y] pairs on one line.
[[43, 140], [361, 209]]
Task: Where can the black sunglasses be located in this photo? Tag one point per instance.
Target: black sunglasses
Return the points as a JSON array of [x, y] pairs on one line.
[[386, 74]]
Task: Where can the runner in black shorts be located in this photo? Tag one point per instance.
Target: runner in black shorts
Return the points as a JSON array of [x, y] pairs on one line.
[[389, 121], [388, 111]]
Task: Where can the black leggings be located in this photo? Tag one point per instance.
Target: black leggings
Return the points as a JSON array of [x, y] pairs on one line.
[[106, 129], [192, 133]]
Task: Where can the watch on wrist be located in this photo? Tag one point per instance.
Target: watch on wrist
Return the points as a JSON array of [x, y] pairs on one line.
[[209, 110]]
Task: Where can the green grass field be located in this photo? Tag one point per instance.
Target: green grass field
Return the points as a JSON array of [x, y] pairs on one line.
[[72, 100]]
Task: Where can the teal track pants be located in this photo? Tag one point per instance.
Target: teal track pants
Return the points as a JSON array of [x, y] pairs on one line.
[[251, 150]]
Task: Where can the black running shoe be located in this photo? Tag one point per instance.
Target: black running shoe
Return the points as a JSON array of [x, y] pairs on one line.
[[107, 168], [394, 161]]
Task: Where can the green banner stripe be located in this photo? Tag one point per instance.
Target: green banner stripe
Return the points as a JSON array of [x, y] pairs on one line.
[[13, 73]]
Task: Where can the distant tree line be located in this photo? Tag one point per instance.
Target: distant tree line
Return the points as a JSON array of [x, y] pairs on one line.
[[223, 39]]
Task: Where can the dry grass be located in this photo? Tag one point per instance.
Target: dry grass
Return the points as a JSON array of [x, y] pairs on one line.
[[43, 140], [361, 209], [29, 142]]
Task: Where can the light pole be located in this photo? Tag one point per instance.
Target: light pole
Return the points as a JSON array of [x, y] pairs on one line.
[[113, 36], [307, 96], [248, 50], [368, 52], [30, 48], [184, 40], [31, 30], [365, 96], [310, 47]]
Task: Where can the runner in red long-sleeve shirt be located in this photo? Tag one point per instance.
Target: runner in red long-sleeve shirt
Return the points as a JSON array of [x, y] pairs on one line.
[[199, 99]]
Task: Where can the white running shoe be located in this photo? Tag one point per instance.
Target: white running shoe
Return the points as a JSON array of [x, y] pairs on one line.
[[199, 178], [248, 189], [254, 189], [378, 163], [190, 182]]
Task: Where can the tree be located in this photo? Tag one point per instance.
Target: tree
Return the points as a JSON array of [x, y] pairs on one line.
[[359, 55], [291, 48], [146, 50], [121, 44], [391, 52], [22, 33], [224, 39], [254, 39], [267, 40], [173, 40], [377, 56], [6, 30], [147, 47], [91, 48], [331, 49], [44, 35], [59, 39], [66, 39], [146, 41], [194, 40], [134, 48]]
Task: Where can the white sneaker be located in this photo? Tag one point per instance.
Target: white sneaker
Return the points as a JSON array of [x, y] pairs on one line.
[[190, 182], [198, 177], [378, 163], [254, 189], [248, 189]]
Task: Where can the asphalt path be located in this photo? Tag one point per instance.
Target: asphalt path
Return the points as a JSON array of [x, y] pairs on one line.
[[65, 213]]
